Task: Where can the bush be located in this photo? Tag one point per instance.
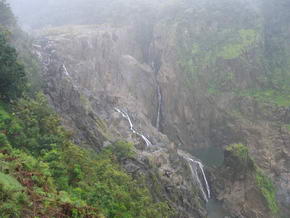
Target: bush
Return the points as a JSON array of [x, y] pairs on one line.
[[239, 150], [122, 149], [237, 157]]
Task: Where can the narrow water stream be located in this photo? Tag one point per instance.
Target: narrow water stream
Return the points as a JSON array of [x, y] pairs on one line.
[[159, 96], [127, 117], [65, 70]]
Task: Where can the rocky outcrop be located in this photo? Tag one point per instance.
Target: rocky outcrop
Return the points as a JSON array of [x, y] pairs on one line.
[[242, 187]]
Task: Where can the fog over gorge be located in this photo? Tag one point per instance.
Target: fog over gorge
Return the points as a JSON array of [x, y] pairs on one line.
[[145, 108]]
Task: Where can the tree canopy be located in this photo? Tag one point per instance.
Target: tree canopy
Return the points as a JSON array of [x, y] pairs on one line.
[[12, 74], [6, 15]]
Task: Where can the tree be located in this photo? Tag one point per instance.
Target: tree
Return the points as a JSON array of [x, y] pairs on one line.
[[12, 74], [6, 16]]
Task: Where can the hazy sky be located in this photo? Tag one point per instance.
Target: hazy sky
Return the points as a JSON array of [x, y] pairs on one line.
[[38, 13]]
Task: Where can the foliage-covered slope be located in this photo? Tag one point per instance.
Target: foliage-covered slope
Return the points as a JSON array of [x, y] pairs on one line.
[[52, 176], [42, 173]]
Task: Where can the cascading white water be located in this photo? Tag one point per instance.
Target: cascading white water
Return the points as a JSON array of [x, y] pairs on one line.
[[159, 107], [65, 70], [194, 165], [204, 178], [127, 117], [195, 176], [200, 166]]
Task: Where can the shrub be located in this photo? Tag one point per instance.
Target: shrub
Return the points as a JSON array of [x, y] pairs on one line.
[[122, 149], [239, 150], [11, 196]]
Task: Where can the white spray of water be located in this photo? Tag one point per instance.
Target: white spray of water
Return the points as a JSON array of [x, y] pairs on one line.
[[194, 165], [127, 117]]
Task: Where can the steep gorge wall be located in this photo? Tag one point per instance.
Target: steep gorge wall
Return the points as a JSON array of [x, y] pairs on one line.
[[220, 87], [86, 97], [206, 65]]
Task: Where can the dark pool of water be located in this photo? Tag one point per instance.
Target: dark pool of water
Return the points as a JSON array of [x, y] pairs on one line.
[[215, 209], [210, 156]]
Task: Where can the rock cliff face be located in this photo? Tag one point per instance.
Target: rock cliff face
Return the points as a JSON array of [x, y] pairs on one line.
[[87, 99], [185, 70]]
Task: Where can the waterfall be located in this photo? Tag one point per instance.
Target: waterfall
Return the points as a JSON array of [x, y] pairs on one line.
[[65, 70], [159, 107], [195, 176], [194, 166], [200, 165], [127, 117]]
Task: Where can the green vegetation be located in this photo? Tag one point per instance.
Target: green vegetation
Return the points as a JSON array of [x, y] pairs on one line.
[[246, 39], [268, 190], [287, 126], [12, 63], [60, 177], [271, 96], [239, 150], [241, 162], [6, 16], [122, 150], [207, 60], [274, 78], [12, 76], [247, 56], [237, 157], [42, 172], [12, 196]]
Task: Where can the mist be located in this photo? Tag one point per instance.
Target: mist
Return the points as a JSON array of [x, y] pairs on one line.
[[192, 96], [37, 14]]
